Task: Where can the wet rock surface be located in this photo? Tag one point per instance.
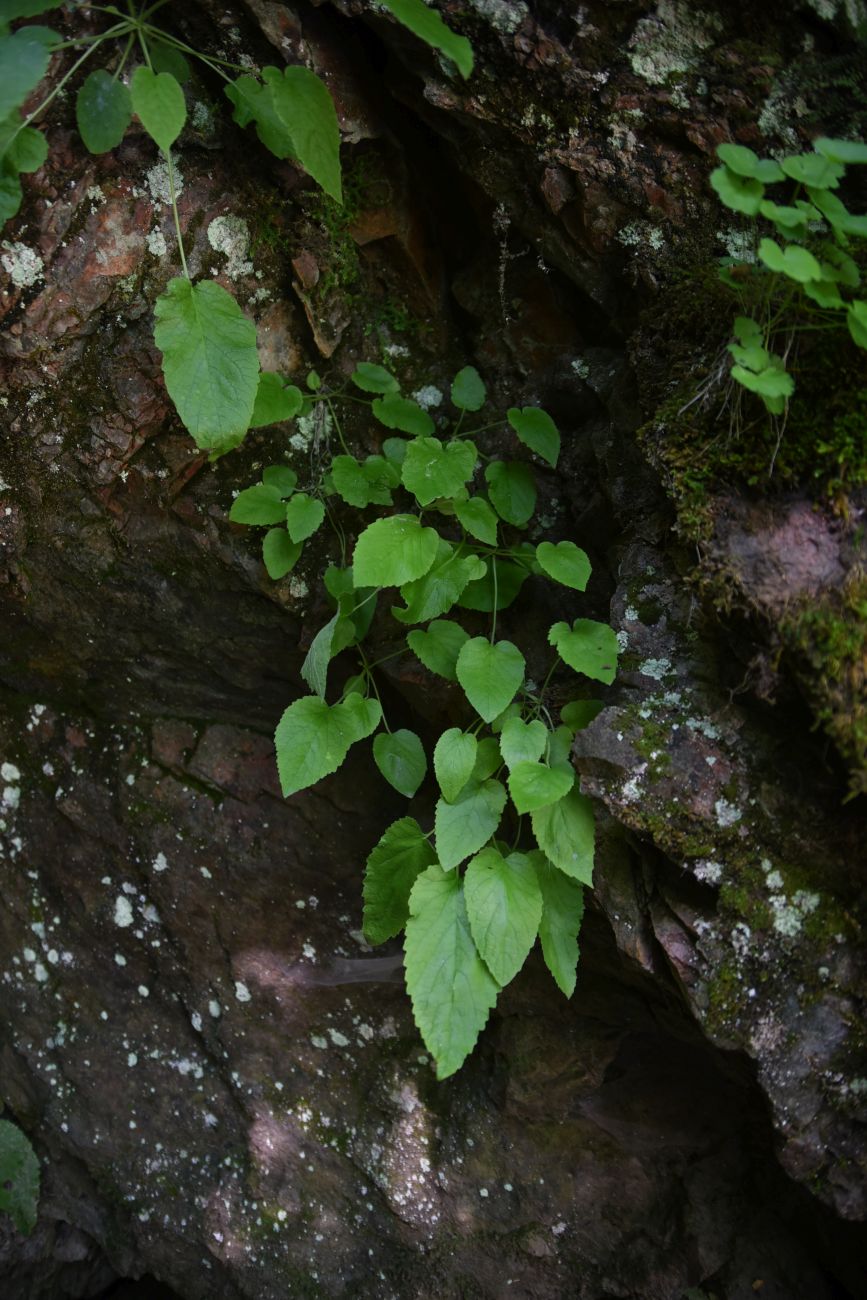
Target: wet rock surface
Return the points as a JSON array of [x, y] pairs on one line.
[[209, 1108]]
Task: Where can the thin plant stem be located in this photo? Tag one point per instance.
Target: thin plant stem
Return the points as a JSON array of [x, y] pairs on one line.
[[372, 681], [333, 413], [496, 598], [130, 41], [173, 197]]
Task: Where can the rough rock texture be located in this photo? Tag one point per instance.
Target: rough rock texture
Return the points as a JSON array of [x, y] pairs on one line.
[[208, 1109]]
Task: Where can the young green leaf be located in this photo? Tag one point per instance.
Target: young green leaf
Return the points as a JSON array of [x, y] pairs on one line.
[[436, 592], [740, 193], [259, 504], [394, 451], [454, 759], [279, 553], [566, 563], [588, 647], [533, 785], [522, 742], [451, 989], [371, 378], [401, 759], [313, 738], [813, 170], [165, 58], [393, 551], [794, 261], [354, 486], [468, 390], [103, 111], [19, 1177], [392, 869], [463, 827], [479, 595], [488, 759], [431, 470], [490, 674], [841, 151], [564, 832], [438, 648], [427, 24], [402, 413], [772, 382], [23, 63], [275, 401], [562, 913], [580, 713], [306, 110], [479, 520], [281, 478], [743, 162], [21, 148], [304, 515], [504, 908], [512, 490], [254, 102], [328, 641], [537, 431], [210, 362], [158, 101]]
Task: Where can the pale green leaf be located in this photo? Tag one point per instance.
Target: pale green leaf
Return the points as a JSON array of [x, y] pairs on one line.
[[464, 826], [490, 674], [275, 401], [210, 362], [537, 431], [306, 109], [438, 647], [813, 170], [451, 989], [429, 26], [587, 647], [402, 413], [103, 111], [522, 742], [304, 515], [566, 563], [504, 908], [437, 591], [743, 162], [431, 470], [393, 551], [562, 913], [794, 261], [259, 504], [479, 520], [488, 759], [371, 378], [19, 1177], [512, 490], [740, 193], [391, 871], [771, 382], [401, 759], [468, 390], [565, 833], [281, 478], [158, 101], [454, 760], [363, 485], [313, 738], [841, 151], [279, 553], [534, 785]]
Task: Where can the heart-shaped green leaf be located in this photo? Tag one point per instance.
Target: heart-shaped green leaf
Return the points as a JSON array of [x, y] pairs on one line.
[[464, 826], [537, 431], [504, 907], [454, 760], [522, 742], [103, 111], [588, 647], [304, 515], [393, 551], [490, 674], [438, 648], [392, 869], [401, 759], [565, 562], [533, 785], [159, 102]]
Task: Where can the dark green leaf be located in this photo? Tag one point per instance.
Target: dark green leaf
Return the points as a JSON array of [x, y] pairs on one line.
[[255, 103], [279, 553], [562, 913], [479, 595], [512, 490], [438, 648], [307, 111], [275, 400], [580, 713], [565, 833], [392, 869], [427, 24], [477, 517], [371, 378], [304, 515], [537, 431], [402, 413], [19, 1177], [588, 647], [23, 63], [260, 504], [488, 759], [280, 477], [400, 758], [468, 390], [165, 58], [103, 111]]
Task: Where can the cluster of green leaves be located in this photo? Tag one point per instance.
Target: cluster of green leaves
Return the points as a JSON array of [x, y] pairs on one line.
[[806, 277], [470, 901], [210, 360], [19, 1177]]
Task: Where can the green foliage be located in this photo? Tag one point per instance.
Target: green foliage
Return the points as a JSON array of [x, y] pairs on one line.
[[471, 907], [800, 280], [103, 111], [159, 103], [427, 23], [19, 1177]]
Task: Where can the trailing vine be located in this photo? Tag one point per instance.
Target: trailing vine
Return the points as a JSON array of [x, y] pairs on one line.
[[511, 846]]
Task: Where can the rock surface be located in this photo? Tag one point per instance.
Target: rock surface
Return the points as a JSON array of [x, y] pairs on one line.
[[208, 1108]]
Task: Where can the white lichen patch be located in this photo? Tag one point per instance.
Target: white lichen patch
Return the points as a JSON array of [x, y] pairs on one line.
[[9, 772], [655, 668], [122, 912], [505, 16], [429, 397], [669, 41], [727, 814], [160, 863], [641, 234], [242, 993], [156, 243], [708, 871], [230, 235], [158, 181], [24, 264]]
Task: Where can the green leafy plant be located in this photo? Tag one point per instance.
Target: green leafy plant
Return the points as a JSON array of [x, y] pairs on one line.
[[19, 1177], [808, 276], [510, 849], [210, 361]]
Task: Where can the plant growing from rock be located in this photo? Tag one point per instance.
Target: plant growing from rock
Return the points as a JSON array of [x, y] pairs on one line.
[[804, 279], [19, 1177], [511, 845], [210, 360]]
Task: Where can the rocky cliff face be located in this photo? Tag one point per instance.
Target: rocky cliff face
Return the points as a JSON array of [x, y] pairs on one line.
[[215, 1102]]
